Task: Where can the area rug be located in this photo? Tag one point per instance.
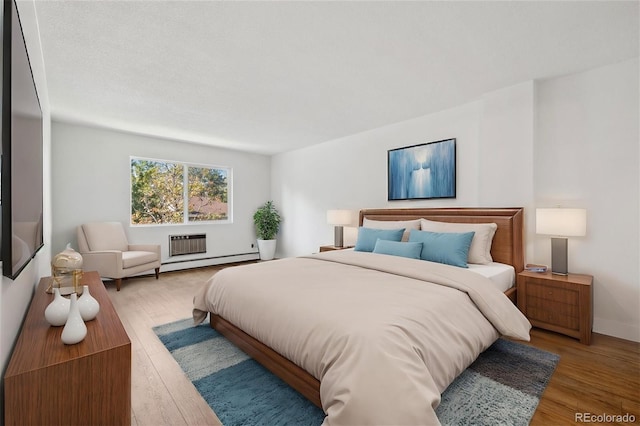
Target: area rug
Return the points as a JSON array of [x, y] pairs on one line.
[[502, 387]]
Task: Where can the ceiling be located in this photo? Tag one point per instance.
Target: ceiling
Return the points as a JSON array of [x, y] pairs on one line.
[[269, 77]]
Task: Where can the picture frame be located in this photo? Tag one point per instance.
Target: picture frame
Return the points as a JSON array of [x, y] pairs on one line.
[[423, 171]]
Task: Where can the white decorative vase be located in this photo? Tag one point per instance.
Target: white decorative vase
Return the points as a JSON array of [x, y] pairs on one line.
[[88, 305], [74, 330], [267, 249], [58, 310]]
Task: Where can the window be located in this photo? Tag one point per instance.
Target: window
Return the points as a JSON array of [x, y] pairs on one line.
[[159, 190]]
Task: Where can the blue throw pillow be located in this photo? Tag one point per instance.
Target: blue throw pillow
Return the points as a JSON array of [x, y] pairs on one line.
[[450, 248], [395, 248], [367, 237]]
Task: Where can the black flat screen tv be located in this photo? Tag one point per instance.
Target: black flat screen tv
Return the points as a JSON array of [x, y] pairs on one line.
[[21, 174]]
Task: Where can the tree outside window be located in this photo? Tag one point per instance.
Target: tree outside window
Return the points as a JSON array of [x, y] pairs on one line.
[[207, 194], [159, 190]]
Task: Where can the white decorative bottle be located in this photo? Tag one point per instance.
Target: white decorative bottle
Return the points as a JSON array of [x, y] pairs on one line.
[[58, 310], [74, 330], [88, 305]]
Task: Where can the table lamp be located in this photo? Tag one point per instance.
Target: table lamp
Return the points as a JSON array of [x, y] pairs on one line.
[[338, 218], [561, 223]]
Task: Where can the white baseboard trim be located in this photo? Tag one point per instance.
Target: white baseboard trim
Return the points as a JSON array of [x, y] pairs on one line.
[[198, 263], [617, 329]]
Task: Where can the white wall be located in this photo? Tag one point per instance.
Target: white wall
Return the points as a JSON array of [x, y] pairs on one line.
[[15, 295], [91, 169], [570, 140], [506, 149], [586, 155], [351, 172]]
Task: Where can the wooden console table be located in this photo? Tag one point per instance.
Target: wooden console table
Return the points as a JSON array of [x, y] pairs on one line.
[[48, 382]]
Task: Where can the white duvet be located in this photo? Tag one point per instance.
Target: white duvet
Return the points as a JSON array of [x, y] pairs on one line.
[[384, 335]]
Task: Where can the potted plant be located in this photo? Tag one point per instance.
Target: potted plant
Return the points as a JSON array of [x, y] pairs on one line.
[[267, 221]]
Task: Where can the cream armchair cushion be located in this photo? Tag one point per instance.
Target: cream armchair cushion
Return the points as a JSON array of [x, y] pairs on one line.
[[105, 248]]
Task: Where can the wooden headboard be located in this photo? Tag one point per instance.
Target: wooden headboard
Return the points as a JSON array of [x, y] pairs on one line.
[[508, 244]]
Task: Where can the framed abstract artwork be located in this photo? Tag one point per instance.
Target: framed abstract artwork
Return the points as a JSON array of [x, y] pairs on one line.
[[422, 171]]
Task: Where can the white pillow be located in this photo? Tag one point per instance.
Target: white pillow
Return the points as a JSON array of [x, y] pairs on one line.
[[480, 250], [408, 225]]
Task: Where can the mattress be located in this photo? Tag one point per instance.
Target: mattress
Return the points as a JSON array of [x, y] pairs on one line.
[[500, 274]]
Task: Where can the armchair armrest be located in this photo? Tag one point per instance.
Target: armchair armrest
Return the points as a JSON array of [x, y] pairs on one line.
[[108, 263], [155, 248]]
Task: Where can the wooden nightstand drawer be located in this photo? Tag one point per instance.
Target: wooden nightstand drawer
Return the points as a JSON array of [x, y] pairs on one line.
[[553, 293], [571, 310], [558, 318]]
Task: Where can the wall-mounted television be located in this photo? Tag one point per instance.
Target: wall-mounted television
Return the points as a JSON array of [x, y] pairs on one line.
[[21, 173]]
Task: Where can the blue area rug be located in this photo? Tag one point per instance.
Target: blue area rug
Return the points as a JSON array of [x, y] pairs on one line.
[[502, 387]]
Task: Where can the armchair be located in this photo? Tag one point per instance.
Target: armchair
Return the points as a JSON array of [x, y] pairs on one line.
[[104, 248]]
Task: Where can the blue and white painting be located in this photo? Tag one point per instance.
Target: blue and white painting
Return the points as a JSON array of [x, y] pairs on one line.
[[423, 171]]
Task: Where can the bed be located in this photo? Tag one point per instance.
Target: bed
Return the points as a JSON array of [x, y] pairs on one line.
[[353, 331]]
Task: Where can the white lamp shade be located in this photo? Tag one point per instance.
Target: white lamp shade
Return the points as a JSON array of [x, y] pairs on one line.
[[561, 222], [339, 217]]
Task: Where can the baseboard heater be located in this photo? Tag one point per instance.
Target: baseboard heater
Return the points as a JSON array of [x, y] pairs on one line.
[[187, 244]]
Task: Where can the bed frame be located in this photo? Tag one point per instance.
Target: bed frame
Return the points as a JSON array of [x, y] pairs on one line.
[[507, 248]]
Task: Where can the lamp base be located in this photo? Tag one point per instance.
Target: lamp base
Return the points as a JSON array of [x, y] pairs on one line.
[[559, 256], [338, 233]]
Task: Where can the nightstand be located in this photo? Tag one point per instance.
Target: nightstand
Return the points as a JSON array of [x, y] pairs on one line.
[[331, 248], [560, 303]]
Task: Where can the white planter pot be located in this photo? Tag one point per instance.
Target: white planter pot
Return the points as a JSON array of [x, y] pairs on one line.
[[267, 249]]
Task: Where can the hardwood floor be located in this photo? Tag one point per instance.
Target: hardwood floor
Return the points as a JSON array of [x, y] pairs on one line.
[[161, 393], [603, 378]]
